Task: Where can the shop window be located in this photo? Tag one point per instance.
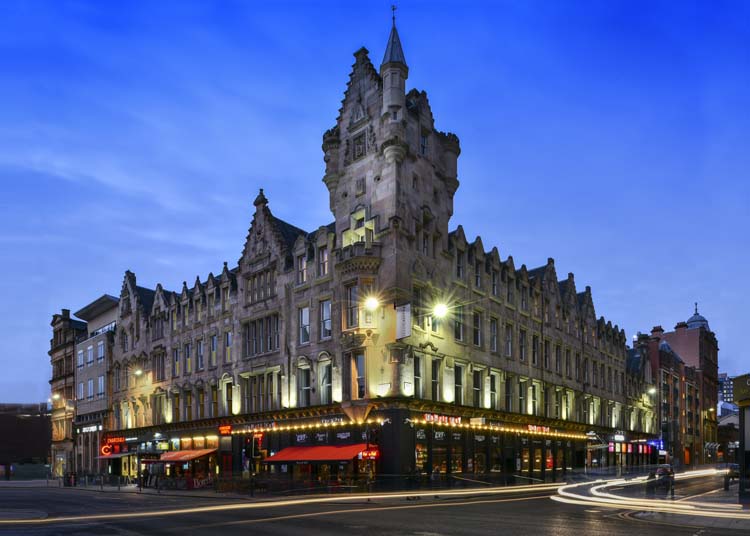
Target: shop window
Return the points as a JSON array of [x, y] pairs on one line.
[[435, 380], [358, 375], [458, 396]]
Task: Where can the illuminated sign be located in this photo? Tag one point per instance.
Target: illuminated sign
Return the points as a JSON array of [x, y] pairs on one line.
[[537, 428], [106, 450], [611, 447], [225, 429], [115, 440], [371, 454], [441, 419], [92, 428], [619, 438]]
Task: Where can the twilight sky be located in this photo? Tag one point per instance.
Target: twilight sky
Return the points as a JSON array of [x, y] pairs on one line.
[[612, 136]]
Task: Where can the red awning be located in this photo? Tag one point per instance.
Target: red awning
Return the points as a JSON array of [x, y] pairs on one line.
[[322, 453], [184, 455]]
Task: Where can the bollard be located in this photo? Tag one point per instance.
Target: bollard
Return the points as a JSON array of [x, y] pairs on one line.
[[118, 482], [726, 482]]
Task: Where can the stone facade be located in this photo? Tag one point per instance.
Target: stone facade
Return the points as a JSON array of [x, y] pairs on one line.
[[339, 323], [65, 332]]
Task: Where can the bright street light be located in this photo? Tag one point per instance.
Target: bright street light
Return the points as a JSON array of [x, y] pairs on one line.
[[371, 303], [138, 372], [440, 310], [652, 391], [56, 396]]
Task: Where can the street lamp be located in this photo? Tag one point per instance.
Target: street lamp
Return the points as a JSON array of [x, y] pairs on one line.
[[56, 396], [652, 391], [440, 310], [138, 372], [372, 303]]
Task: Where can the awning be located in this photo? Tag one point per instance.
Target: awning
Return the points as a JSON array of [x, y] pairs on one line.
[[322, 453], [184, 455], [114, 456]]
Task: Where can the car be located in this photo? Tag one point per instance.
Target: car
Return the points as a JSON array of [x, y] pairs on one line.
[[664, 473]]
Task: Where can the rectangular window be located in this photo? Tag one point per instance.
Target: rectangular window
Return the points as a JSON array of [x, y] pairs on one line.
[[558, 358], [495, 284], [100, 387], [80, 359], [477, 388], [90, 389], [227, 346], [325, 319], [214, 401], [100, 351], [459, 264], [458, 391], [326, 383], [478, 274], [188, 405], [586, 370], [303, 379], [322, 261], [534, 399], [458, 323], [352, 306], [214, 349], [493, 391], [522, 387], [435, 380], [417, 376], [567, 362], [301, 269], [522, 345], [187, 354], [199, 357], [535, 350], [578, 367], [303, 316], [493, 334], [524, 298], [90, 356], [358, 374], [546, 355], [508, 340], [175, 362], [477, 329], [80, 391]]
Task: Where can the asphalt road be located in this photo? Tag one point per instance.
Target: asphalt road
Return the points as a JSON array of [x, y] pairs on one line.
[[518, 513]]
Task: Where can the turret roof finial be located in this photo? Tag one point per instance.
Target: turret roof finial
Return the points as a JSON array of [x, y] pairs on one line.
[[696, 307], [393, 9]]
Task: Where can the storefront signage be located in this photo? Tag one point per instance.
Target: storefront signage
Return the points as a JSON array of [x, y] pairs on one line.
[[476, 421], [456, 436], [441, 419], [656, 443], [479, 438], [130, 439], [301, 438], [421, 435], [538, 428], [331, 420], [611, 447], [371, 454], [440, 435], [343, 435], [106, 450], [619, 438], [115, 440], [321, 437], [225, 429], [92, 428]]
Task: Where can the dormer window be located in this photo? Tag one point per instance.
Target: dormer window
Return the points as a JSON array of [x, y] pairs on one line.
[[423, 144]]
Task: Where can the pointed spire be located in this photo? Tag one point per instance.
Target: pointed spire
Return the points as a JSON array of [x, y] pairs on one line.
[[696, 307], [393, 52]]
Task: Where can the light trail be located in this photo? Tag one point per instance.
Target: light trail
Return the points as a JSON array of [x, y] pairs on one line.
[[572, 494], [355, 511], [288, 502]]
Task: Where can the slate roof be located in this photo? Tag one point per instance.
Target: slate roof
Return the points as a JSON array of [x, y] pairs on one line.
[[289, 232], [537, 272], [146, 295], [393, 52]]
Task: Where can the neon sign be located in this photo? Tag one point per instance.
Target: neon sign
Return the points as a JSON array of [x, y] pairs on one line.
[[225, 429]]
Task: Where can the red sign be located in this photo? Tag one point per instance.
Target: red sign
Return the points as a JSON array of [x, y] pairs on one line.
[[259, 437], [225, 429], [115, 440], [371, 454], [538, 428], [106, 450]]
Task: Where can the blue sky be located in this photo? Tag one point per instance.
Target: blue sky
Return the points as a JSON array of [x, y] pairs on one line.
[[612, 136]]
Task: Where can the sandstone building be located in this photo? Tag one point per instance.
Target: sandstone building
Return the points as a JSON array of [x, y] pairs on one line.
[[382, 342]]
